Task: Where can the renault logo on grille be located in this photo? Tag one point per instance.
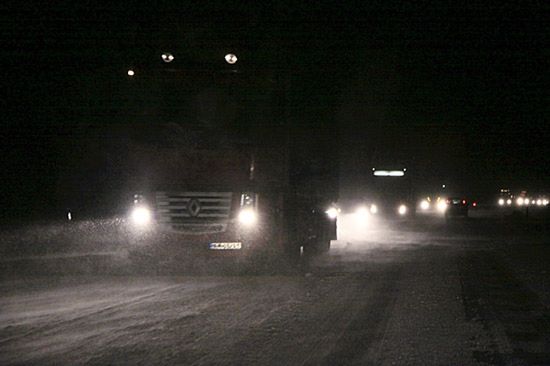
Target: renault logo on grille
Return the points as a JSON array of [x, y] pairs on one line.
[[194, 207]]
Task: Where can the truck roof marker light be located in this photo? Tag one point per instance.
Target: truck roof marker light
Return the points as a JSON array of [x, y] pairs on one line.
[[388, 173], [167, 57], [231, 58]]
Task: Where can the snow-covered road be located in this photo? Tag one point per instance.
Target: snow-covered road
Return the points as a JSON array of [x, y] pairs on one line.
[[432, 297]]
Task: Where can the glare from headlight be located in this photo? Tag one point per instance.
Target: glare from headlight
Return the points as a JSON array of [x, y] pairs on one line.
[[508, 201], [441, 206], [545, 202], [248, 217], [402, 210], [373, 209], [332, 213], [362, 212], [501, 202], [424, 205], [141, 215], [526, 202], [520, 201]]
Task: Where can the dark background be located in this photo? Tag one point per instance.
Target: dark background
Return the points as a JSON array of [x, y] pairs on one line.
[[458, 94]]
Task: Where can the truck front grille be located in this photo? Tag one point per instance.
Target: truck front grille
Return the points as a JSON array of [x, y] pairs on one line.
[[194, 212]]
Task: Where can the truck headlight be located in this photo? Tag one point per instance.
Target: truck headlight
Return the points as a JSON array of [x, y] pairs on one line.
[[248, 216], [141, 215]]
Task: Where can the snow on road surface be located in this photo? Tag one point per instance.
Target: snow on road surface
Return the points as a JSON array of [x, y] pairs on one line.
[[401, 297]]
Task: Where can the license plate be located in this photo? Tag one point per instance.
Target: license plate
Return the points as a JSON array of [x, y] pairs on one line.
[[225, 246]]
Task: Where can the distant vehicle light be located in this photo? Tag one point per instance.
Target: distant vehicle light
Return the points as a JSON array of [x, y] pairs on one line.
[[389, 173], [424, 205], [442, 206], [526, 202], [474, 204], [545, 202], [231, 58], [141, 216], [463, 202], [131, 72], [373, 209], [167, 57], [539, 202], [501, 202], [520, 201], [402, 210], [248, 217], [332, 213], [509, 202]]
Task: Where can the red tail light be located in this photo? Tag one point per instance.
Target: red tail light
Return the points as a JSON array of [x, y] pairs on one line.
[[463, 202], [474, 204]]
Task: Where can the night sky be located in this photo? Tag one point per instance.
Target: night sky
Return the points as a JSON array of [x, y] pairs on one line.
[[458, 94]]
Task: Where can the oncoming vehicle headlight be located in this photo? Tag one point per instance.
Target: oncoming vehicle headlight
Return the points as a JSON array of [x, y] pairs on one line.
[[141, 215], [402, 210], [373, 209], [248, 216], [441, 206], [332, 213], [501, 201], [424, 205]]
